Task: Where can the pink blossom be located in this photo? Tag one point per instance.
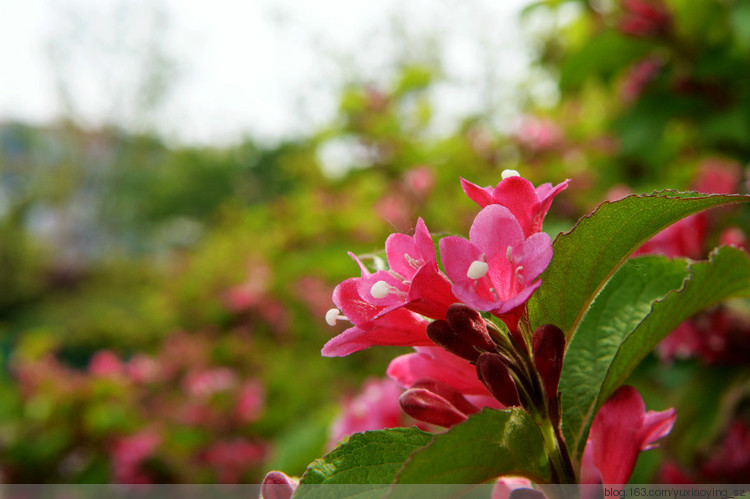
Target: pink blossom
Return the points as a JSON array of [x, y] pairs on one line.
[[528, 205], [277, 485], [538, 134], [731, 462], [620, 431], [684, 238], [206, 383], [495, 270], [437, 364], [393, 208], [413, 280], [639, 76], [250, 292], [142, 369], [398, 327], [128, 453], [718, 176], [419, 180], [250, 402], [734, 236], [644, 18], [374, 408], [232, 458], [105, 364]]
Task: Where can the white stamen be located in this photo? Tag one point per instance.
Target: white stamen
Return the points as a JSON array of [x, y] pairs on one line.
[[378, 263], [477, 270], [509, 173], [411, 261], [518, 274], [380, 290], [333, 315], [509, 253]]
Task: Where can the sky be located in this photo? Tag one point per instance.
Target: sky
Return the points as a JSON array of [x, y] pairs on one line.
[[217, 71]]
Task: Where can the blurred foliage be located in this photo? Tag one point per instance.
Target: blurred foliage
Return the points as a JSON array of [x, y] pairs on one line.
[[217, 264]]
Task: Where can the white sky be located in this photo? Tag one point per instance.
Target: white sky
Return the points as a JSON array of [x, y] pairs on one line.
[[264, 67]]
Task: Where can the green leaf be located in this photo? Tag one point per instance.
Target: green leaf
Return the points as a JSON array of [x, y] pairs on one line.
[[725, 275], [616, 345], [588, 256], [489, 444], [623, 303], [373, 457]]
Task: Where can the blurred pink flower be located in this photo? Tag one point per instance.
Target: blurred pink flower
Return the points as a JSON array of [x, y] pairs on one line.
[[250, 292], [621, 430], [638, 77], [731, 462], [684, 238], [718, 176], [314, 292], [106, 363], [644, 18], [207, 382], [142, 368], [529, 205], [375, 407], [128, 453], [393, 208], [419, 180], [538, 134], [231, 459], [250, 402], [734, 236], [495, 270]]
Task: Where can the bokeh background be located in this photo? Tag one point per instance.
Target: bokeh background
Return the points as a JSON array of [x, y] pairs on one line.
[[180, 183]]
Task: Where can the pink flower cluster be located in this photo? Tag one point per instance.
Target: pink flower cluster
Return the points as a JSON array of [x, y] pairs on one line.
[[412, 301]]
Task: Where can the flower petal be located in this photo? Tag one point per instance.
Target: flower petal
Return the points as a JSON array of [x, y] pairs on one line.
[[480, 195]]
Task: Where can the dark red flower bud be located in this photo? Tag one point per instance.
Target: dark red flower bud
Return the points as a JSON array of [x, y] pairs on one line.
[[494, 373], [469, 325], [548, 346], [429, 407], [442, 334], [449, 393]]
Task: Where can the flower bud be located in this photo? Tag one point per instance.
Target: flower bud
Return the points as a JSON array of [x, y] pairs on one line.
[[548, 346], [494, 373], [277, 485], [442, 334], [429, 407], [449, 393], [469, 325]]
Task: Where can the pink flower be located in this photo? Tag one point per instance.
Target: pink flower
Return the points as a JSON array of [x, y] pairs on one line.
[[232, 458], [528, 205], [413, 280], [539, 134], [682, 238], [206, 383], [437, 364], [106, 364], [620, 431], [277, 485], [731, 463], [639, 76], [718, 176], [398, 327], [250, 401], [128, 453], [644, 18], [374, 408], [494, 271], [419, 180], [142, 369]]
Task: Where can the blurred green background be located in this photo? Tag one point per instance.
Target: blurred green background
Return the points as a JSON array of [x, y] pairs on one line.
[[161, 304]]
